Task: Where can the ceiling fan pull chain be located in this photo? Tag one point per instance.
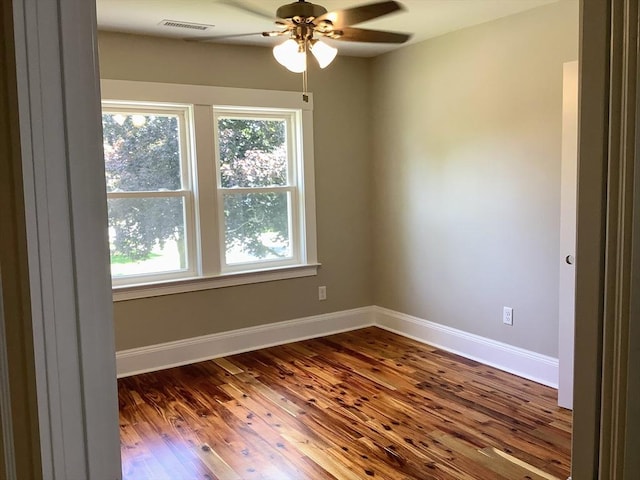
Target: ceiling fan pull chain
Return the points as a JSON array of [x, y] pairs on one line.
[[305, 91]]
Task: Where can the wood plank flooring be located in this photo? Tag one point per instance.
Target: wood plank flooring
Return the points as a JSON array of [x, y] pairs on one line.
[[358, 405]]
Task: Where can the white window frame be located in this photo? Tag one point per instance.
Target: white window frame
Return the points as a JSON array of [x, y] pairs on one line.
[[209, 270], [184, 113], [294, 153]]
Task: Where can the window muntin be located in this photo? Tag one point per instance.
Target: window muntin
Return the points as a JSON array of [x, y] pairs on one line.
[[150, 202], [257, 154]]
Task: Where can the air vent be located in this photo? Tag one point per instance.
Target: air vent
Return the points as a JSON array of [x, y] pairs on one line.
[[187, 25]]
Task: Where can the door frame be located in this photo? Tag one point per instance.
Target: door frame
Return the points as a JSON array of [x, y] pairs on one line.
[[20, 453], [605, 425], [65, 218], [568, 209], [65, 212]]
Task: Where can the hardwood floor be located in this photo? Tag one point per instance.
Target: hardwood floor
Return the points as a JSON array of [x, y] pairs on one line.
[[358, 405]]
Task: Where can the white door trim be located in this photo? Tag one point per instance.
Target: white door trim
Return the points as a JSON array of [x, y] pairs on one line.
[[568, 210], [65, 206]]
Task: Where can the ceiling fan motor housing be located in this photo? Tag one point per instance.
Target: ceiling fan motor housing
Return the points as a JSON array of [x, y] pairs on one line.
[[300, 9]]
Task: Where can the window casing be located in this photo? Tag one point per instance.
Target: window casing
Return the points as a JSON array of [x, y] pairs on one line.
[[248, 208]]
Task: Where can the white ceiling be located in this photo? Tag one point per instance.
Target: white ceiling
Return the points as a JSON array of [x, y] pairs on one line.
[[422, 18]]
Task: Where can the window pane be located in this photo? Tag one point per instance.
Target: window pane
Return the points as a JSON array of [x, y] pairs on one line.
[[141, 152], [253, 153], [147, 235], [256, 227]]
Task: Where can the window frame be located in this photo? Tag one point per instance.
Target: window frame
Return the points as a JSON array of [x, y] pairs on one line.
[[184, 114], [291, 119], [210, 269]]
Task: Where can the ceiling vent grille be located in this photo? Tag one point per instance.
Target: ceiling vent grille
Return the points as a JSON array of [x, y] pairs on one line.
[[187, 25]]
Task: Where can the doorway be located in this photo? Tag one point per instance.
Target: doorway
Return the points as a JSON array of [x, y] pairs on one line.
[[67, 18]]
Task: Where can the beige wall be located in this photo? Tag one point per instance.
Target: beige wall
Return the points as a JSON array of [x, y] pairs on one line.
[[467, 132], [342, 159]]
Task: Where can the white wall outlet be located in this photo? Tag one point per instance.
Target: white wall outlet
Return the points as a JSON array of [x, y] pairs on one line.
[[507, 315], [322, 293]]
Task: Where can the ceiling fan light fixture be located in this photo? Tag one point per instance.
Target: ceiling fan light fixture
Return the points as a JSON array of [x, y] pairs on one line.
[[291, 55], [323, 52]]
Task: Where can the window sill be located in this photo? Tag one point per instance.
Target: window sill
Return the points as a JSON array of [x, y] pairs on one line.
[[194, 284]]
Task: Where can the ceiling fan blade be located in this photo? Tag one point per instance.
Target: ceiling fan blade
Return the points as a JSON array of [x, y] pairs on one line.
[[373, 36], [362, 13], [235, 35]]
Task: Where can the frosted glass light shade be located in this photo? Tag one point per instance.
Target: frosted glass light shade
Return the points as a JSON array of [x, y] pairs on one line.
[[288, 54], [324, 53]]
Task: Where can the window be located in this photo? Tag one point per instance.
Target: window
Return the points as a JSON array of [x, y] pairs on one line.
[[206, 187], [149, 194], [256, 160]]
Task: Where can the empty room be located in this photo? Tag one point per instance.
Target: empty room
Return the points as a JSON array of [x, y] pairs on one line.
[[308, 241], [404, 222]]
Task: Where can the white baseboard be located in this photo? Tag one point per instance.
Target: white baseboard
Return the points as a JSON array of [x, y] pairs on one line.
[[191, 350], [524, 363]]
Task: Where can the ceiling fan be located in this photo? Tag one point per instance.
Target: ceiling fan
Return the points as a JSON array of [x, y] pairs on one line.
[[305, 23]]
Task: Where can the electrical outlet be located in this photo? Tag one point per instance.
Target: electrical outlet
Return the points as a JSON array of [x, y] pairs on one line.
[[507, 315], [322, 293]]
